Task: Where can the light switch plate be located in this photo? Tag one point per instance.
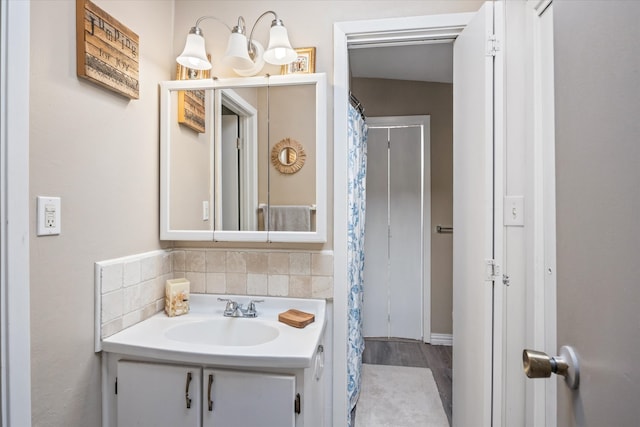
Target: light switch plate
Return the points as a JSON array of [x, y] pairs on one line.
[[514, 211], [49, 216], [205, 210]]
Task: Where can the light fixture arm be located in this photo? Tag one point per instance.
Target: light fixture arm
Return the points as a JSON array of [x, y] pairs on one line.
[[276, 21], [202, 18]]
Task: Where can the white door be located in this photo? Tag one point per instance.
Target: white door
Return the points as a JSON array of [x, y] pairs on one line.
[[152, 395], [248, 399], [394, 242], [230, 174], [475, 238], [375, 313], [597, 203]]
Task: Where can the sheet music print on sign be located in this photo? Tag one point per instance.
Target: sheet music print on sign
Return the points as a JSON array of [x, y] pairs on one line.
[[107, 52]]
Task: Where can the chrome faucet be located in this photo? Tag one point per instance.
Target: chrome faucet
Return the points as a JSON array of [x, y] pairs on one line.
[[233, 309]]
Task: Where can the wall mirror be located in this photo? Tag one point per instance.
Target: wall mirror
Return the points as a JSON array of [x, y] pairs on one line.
[[218, 179]]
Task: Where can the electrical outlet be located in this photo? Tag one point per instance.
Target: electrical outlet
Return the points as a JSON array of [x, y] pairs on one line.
[[48, 218]]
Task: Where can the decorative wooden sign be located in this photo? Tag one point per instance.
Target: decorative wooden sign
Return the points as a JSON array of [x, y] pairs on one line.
[[107, 52], [191, 111]]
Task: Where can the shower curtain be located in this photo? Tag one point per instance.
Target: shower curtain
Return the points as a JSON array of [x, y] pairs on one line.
[[357, 170]]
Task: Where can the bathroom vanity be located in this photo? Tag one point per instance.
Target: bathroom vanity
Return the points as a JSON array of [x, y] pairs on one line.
[[205, 369]]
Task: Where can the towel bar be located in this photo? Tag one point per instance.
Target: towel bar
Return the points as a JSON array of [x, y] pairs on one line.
[[264, 205], [444, 230]]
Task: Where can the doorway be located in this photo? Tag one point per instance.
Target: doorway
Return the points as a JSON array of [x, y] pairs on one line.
[[400, 95], [397, 275], [478, 370], [231, 172], [236, 149]]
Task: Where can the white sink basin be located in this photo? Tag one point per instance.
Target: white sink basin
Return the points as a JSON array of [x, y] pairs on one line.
[[225, 331], [205, 336]]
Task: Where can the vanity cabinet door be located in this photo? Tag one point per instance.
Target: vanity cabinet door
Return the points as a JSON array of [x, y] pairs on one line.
[[152, 395], [248, 399]]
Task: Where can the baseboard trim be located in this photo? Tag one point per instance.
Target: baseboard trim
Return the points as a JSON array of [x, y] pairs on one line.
[[442, 339]]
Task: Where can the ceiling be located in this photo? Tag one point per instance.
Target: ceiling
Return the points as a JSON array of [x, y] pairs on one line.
[[429, 62]]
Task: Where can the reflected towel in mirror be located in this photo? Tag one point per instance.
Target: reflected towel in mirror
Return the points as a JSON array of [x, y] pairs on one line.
[[288, 218]]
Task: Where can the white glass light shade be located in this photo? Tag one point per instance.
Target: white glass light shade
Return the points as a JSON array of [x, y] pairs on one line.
[[194, 55], [258, 62], [279, 51], [237, 55]]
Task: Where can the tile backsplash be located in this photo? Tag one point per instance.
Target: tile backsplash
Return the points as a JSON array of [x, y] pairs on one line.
[[243, 272], [131, 289], [128, 290]]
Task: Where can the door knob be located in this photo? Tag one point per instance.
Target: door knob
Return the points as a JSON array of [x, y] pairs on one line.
[[537, 364]]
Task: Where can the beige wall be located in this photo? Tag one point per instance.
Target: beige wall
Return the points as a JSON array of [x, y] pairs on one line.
[[99, 152], [295, 120], [381, 97], [190, 178], [281, 118]]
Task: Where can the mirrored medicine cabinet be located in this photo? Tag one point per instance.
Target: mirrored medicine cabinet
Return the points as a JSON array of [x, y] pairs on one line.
[[243, 159]]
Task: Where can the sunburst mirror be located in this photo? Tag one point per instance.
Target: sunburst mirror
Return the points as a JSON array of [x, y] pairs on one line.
[[288, 156]]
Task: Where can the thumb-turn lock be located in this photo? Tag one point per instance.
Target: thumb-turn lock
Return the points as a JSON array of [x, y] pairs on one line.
[[537, 364]]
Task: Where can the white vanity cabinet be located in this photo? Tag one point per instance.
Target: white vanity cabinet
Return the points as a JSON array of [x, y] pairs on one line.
[[148, 393], [152, 394], [234, 398]]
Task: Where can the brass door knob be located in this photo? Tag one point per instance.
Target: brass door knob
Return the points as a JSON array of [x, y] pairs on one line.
[[537, 364]]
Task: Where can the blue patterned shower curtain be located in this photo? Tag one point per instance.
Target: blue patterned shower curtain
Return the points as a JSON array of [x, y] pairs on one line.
[[356, 198]]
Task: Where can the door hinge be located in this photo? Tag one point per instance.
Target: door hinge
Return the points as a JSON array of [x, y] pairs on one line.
[[492, 270], [116, 387], [296, 404], [493, 45], [239, 143]]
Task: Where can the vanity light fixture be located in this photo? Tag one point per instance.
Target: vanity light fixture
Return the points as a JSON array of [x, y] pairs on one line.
[[245, 57]]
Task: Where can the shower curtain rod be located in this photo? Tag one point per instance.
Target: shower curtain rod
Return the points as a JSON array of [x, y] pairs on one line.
[[356, 104]]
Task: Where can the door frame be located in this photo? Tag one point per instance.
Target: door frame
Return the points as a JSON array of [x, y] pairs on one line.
[[542, 324], [15, 353], [248, 130], [423, 121], [346, 34]]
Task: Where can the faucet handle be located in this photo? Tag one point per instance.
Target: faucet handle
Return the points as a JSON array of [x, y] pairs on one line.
[[231, 305], [252, 304], [251, 307]]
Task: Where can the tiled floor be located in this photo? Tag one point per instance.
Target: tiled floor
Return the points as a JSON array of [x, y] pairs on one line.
[[401, 352]]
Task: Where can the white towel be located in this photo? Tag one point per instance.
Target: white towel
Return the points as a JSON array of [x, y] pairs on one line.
[[289, 218]]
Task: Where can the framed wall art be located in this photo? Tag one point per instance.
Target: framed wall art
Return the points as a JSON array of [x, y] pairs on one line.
[[304, 63], [107, 52]]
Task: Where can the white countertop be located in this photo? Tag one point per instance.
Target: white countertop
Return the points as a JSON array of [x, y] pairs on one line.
[[292, 348]]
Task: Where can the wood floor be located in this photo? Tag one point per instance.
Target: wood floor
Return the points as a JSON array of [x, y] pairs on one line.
[[401, 352]]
